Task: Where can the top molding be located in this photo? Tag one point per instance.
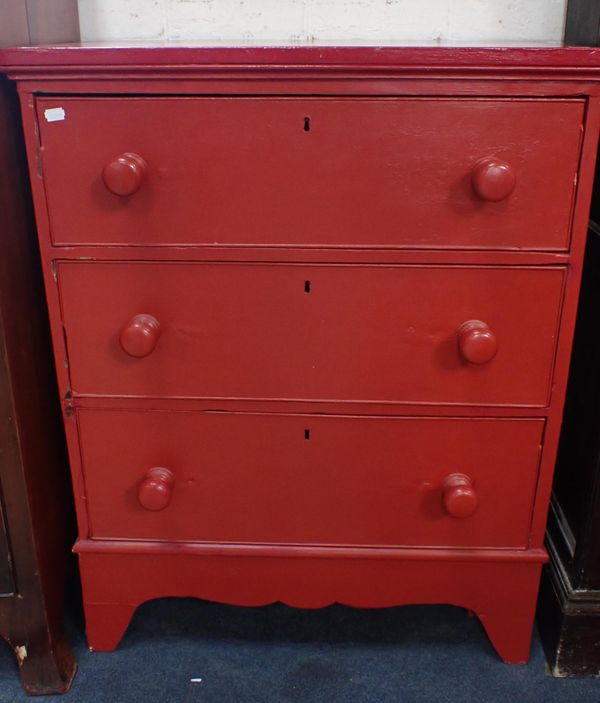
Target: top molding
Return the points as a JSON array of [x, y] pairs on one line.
[[534, 61]]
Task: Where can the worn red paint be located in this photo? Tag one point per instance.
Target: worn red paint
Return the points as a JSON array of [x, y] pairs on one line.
[[276, 486], [352, 386], [370, 172], [362, 334]]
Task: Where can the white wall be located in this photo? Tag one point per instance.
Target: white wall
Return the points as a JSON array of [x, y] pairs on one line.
[[314, 21]]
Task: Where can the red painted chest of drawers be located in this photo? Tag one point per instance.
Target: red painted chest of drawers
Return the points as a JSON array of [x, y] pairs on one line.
[[312, 313]]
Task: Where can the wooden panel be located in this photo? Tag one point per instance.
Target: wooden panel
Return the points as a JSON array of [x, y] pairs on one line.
[[37, 21], [500, 589], [363, 64], [52, 22], [33, 468], [576, 491], [6, 575], [568, 619], [14, 30], [329, 172], [351, 333], [582, 27], [307, 479], [569, 607]]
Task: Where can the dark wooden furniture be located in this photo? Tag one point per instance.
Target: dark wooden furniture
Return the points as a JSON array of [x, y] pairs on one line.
[[582, 27], [35, 497], [312, 313], [569, 608], [569, 604]]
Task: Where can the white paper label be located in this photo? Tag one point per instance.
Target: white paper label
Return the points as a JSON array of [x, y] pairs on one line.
[[54, 114]]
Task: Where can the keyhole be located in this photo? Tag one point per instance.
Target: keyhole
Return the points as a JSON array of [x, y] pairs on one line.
[[307, 434], [307, 286], [307, 124]]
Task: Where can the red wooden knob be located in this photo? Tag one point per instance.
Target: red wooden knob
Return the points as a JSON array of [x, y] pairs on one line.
[[154, 492], [140, 335], [493, 179], [476, 342], [125, 174], [459, 496]]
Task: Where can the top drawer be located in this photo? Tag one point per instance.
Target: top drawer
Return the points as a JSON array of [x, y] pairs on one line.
[[332, 172]]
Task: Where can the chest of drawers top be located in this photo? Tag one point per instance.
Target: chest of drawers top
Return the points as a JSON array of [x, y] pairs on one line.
[[308, 147]]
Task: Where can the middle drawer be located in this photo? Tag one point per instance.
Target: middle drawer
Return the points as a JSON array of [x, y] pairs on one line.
[[410, 334]]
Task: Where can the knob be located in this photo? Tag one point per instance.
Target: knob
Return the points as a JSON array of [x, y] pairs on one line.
[[476, 342], [493, 179], [459, 497], [154, 492], [125, 174], [140, 335]]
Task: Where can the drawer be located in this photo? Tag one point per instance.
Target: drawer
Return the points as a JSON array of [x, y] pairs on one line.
[[312, 332], [309, 479], [331, 172]]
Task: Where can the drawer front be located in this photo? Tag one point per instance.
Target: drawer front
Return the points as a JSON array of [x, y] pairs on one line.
[[308, 479], [385, 172], [314, 332]]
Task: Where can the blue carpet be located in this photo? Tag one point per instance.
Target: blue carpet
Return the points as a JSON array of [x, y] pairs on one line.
[[277, 654]]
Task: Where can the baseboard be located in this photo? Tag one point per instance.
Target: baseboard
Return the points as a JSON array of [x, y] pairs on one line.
[[568, 621]]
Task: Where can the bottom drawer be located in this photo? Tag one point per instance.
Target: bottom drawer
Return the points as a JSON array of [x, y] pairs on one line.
[[244, 477]]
